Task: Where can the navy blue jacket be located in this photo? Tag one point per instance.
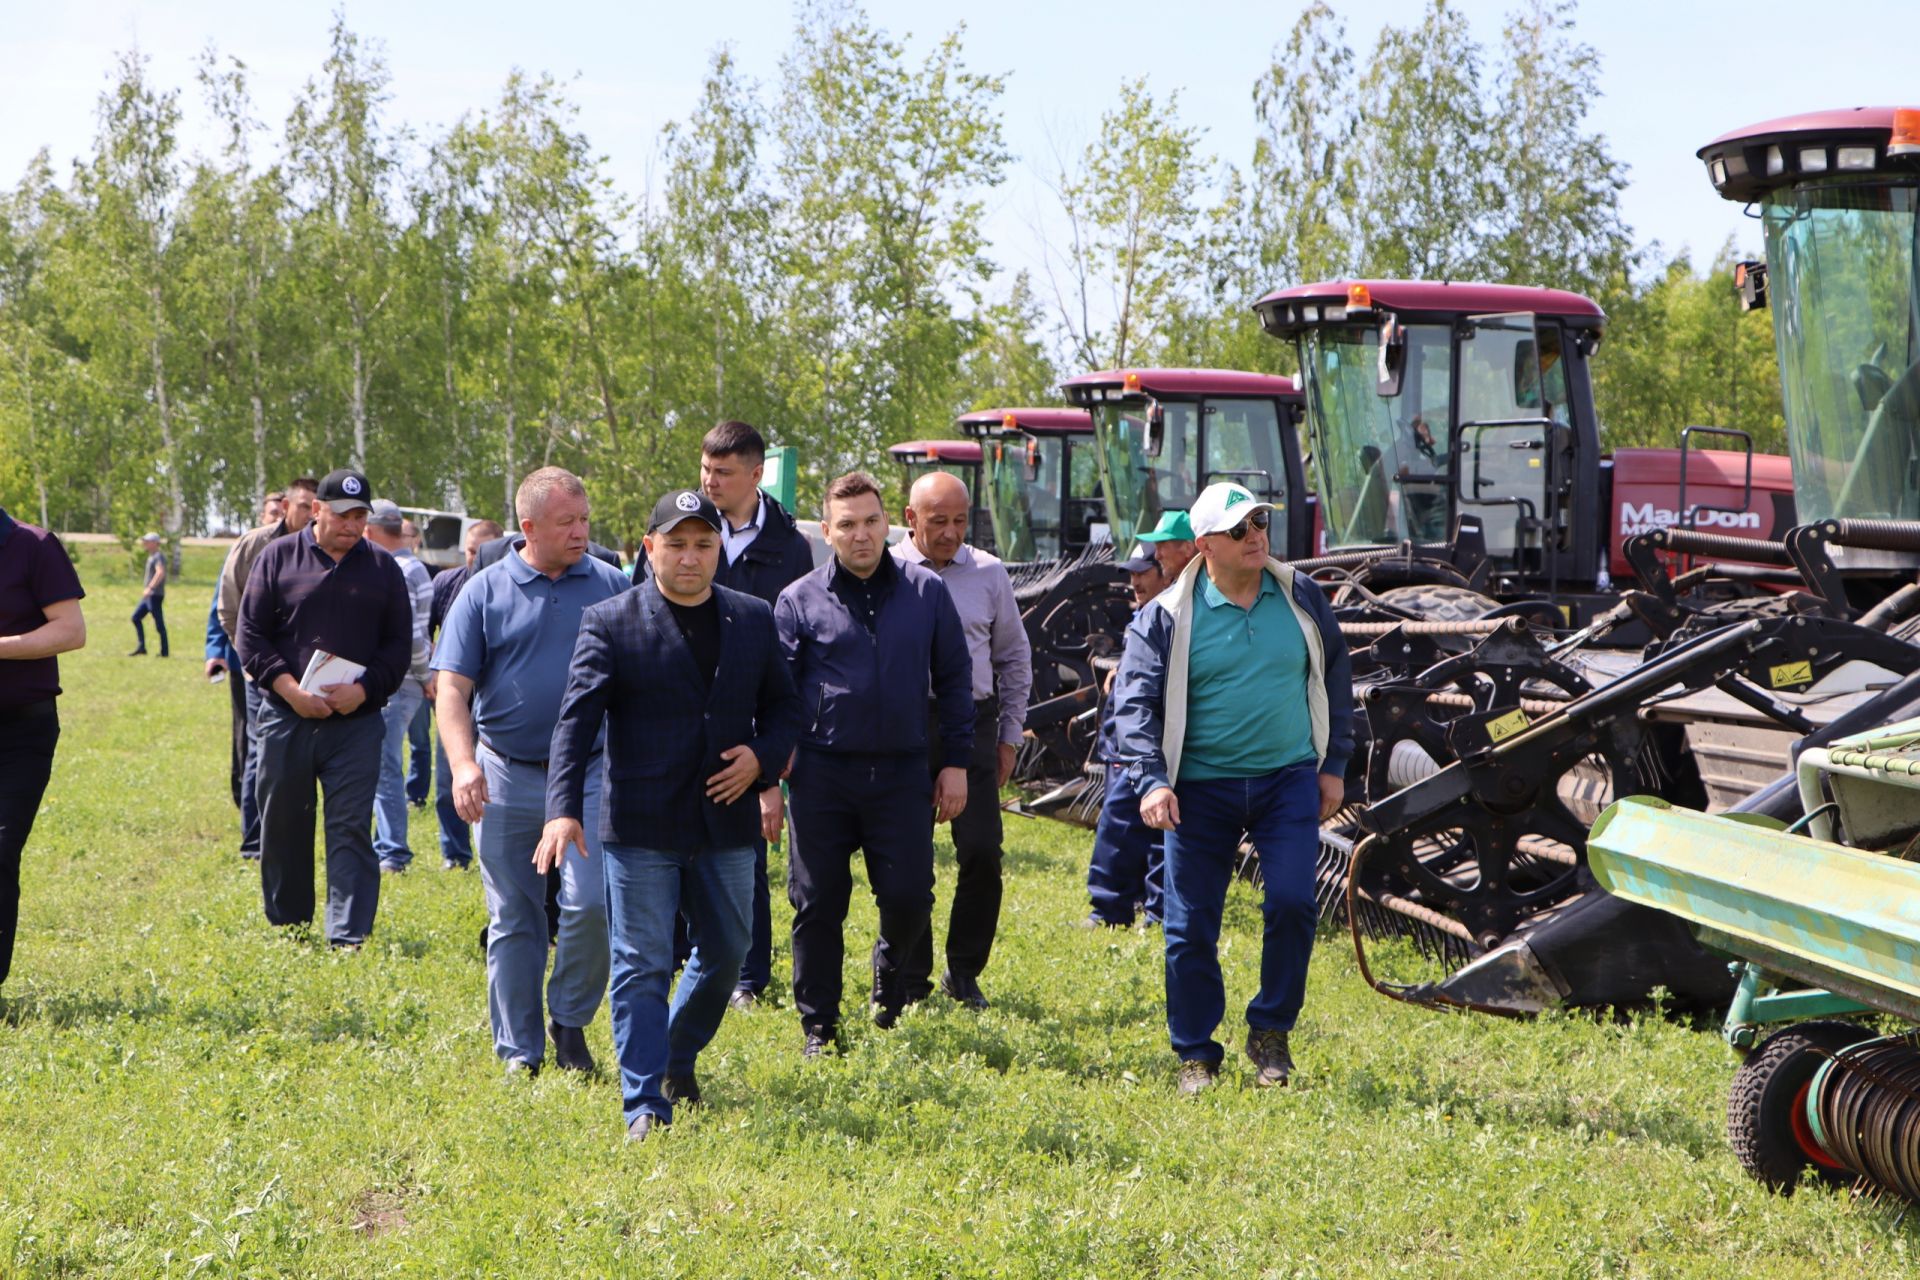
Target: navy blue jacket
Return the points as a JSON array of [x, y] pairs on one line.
[[773, 560], [218, 645], [863, 691], [665, 731]]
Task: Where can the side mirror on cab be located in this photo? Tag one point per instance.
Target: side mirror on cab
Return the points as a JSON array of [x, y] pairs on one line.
[[1154, 433], [1393, 358]]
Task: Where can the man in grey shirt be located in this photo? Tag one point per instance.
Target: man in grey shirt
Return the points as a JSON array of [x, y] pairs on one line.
[[384, 530], [937, 516], [153, 597]]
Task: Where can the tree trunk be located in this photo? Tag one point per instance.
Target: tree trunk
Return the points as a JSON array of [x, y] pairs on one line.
[[359, 458], [455, 496], [506, 469], [176, 501]]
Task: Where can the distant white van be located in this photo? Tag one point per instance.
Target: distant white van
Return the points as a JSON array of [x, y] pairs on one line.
[[443, 536]]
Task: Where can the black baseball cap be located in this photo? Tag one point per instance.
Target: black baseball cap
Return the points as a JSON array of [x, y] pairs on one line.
[[683, 504], [344, 490]]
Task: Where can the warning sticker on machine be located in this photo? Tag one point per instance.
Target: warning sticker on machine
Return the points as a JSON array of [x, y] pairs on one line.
[[1503, 727], [1790, 673]]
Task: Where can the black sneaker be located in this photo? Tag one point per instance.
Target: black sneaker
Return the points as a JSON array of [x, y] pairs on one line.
[[138, 653], [743, 1000], [817, 1044], [1196, 1074], [1268, 1051], [885, 1016], [964, 991], [1094, 921], [570, 1052], [681, 1091]]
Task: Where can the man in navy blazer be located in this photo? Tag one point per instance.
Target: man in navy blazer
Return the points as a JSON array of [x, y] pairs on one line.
[[701, 715]]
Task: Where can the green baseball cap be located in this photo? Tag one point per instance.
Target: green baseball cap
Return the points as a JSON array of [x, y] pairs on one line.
[[1173, 527]]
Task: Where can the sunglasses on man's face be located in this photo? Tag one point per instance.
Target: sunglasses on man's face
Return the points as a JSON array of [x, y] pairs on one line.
[[1258, 520]]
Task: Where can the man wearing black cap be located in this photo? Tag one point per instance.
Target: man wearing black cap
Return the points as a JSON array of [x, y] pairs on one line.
[[322, 593], [866, 637], [700, 716]]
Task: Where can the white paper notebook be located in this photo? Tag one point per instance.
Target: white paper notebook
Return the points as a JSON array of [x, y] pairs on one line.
[[325, 668]]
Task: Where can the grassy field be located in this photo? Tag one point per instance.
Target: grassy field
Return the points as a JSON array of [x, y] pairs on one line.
[[183, 1092]]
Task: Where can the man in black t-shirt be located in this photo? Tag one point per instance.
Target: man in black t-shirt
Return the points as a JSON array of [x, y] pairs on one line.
[[39, 617]]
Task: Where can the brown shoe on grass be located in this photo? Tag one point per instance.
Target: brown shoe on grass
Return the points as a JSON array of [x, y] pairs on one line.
[[1267, 1050], [1197, 1074]]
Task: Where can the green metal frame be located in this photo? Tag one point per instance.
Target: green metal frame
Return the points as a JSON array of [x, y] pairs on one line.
[[1757, 1002]]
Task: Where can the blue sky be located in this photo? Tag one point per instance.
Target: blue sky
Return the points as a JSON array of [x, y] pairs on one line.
[[1674, 75]]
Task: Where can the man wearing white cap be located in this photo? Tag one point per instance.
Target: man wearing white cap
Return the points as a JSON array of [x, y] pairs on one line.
[[1233, 716]]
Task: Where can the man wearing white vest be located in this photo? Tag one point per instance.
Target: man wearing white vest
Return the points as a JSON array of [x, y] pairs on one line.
[[1233, 716]]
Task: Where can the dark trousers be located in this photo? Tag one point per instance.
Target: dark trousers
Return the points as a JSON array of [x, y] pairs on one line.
[[27, 740], [1126, 870], [456, 840], [239, 744], [150, 606], [883, 806], [1280, 813], [341, 756], [975, 915], [250, 772], [420, 753]]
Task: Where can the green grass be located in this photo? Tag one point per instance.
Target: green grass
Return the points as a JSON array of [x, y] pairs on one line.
[[184, 1092]]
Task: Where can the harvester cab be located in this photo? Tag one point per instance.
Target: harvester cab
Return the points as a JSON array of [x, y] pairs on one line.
[[1428, 403], [1162, 435], [1039, 486]]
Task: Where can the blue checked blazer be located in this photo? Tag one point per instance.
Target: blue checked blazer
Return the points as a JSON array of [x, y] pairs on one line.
[[632, 669]]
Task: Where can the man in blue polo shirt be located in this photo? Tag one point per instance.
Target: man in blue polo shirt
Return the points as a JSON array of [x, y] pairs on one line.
[[1233, 715], [502, 662]]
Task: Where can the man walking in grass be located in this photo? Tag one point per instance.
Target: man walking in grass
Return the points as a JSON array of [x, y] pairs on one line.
[[153, 597], [502, 667], [699, 715], [1233, 716], [386, 530], [39, 618]]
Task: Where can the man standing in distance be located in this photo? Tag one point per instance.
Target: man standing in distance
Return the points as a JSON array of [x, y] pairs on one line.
[[223, 663], [1234, 712], [865, 636], [1172, 542], [700, 712], [1002, 664], [456, 841], [1124, 874], [153, 596], [296, 513], [502, 667], [420, 732], [39, 617], [386, 530], [323, 590], [762, 551]]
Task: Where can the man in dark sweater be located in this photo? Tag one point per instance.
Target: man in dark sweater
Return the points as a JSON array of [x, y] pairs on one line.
[[324, 591], [866, 637]]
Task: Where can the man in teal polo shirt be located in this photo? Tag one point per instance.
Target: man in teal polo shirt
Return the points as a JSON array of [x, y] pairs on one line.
[[1233, 716]]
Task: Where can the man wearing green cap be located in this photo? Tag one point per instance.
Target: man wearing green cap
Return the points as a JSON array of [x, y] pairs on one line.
[[1172, 543]]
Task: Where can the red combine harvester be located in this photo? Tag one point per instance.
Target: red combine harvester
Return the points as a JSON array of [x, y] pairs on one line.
[[957, 457], [1039, 486]]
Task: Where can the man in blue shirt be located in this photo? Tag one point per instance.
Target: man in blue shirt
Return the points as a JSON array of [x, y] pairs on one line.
[[502, 668], [1233, 715], [866, 637], [700, 714]]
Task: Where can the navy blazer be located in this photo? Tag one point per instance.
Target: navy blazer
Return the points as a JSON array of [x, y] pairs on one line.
[[632, 668]]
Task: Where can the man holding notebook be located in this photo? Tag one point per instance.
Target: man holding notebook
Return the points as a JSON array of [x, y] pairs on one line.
[[326, 629]]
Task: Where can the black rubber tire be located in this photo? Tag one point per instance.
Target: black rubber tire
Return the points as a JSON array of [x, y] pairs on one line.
[[1760, 1102], [1439, 602]]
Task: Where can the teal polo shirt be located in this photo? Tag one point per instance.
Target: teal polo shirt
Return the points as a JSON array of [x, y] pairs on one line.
[[1247, 673]]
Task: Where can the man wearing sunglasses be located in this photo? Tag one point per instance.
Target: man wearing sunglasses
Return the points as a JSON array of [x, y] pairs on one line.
[[1234, 717]]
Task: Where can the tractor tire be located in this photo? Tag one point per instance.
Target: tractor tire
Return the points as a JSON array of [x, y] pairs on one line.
[[1767, 1105], [1440, 602]]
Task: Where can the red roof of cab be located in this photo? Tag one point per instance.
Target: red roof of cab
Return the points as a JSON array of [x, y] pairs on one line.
[[1463, 297], [1216, 382], [1843, 120], [1052, 419], [939, 450]]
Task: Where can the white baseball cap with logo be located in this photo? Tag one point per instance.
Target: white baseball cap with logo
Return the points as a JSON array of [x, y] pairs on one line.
[[1223, 505]]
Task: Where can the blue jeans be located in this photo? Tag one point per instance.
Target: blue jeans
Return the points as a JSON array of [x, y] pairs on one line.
[[390, 801], [250, 772], [420, 753], [646, 890], [1127, 868], [517, 912], [1280, 813], [151, 607], [456, 841]]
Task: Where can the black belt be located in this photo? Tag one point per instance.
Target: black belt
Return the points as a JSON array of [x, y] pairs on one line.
[[29, 711], [530, 764]]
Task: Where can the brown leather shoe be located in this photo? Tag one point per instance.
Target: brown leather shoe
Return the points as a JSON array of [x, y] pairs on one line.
[[1196, 1074], [1268, 1051]]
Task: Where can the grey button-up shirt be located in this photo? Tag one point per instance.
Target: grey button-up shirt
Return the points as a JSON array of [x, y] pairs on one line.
[[996, 638]]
